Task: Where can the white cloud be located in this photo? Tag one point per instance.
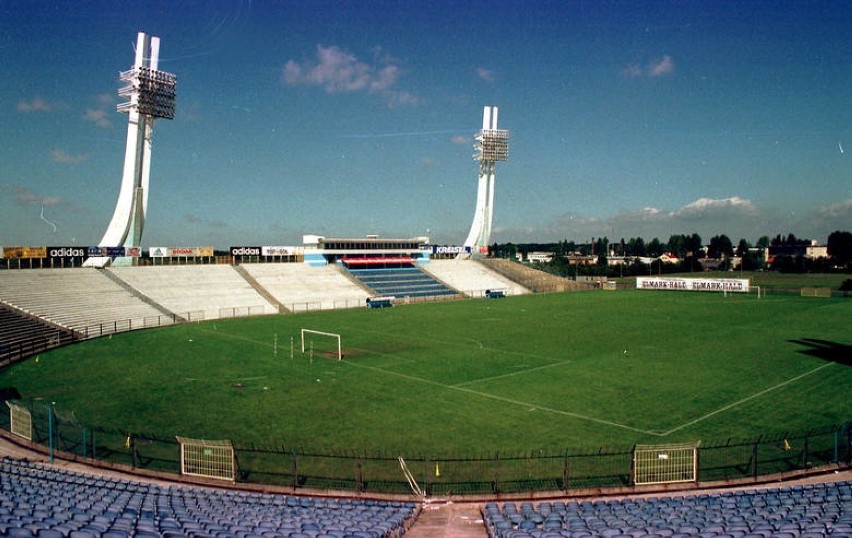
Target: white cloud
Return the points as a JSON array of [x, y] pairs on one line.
[[485, 74], [656, 68], [25, 197], [62, 156], [338, 71], [839, 210], [99, 117], [704, 207], [733, 216], [36, 104], [662, 66], [632, 71], [461, 140]]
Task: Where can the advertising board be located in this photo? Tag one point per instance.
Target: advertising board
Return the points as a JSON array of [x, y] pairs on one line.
[[67, 252], [278, 251], [21, 253], [245, 251], [450, 250], [180, 252], [732, 285]]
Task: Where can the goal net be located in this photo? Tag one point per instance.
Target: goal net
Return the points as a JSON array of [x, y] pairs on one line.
[[321, 343], [810, 291], [20, 421], [210, 459], [665, 464]]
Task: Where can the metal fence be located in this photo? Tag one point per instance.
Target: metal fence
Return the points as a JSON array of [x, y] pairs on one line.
[[490, 474]]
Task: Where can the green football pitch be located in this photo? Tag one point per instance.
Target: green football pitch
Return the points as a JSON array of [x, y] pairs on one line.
[[470, 377]]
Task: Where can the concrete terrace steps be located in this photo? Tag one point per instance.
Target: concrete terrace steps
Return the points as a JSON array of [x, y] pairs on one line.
[[259, 289], [532, 279], [197, 291], [84, 300], [471, 277]]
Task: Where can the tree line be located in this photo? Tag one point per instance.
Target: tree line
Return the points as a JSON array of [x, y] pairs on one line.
[[688, 249]]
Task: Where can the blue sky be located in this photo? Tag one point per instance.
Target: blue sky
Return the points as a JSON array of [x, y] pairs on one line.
[[627, 119]]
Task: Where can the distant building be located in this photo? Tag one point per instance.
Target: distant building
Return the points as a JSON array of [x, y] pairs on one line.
[[539, 257], [668, 257], [812, 251]]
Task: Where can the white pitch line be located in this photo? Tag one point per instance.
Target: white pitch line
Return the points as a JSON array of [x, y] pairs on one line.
[[752, 397], [499, 398], [464, 342], [511, 374], [236, 337]]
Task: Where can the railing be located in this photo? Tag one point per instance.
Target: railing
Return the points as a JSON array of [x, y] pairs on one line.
[[491, 475], [11, 352]]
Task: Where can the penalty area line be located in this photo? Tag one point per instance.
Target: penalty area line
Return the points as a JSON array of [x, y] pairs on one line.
[[746, 399], [502, 398], [512, 374]]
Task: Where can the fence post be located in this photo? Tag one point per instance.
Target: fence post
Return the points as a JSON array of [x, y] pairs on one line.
[[295, 472], [360, 477], [805, 463], [496, 487], [565, 471], [754, 459], [50, 431]]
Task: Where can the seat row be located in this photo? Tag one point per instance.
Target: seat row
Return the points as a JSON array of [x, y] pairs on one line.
[[401, 282], [806, 511], [44, 502]]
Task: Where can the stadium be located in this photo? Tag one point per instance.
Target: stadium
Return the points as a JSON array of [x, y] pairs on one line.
[[361, 387]]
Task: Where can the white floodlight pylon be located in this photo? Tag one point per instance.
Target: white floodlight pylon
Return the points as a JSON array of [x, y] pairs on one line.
[[150, 94], [492, 146]]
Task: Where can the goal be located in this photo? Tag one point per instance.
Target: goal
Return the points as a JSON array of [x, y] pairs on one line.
[[209, 459], [323, 343], [20, 421], [665, 464]]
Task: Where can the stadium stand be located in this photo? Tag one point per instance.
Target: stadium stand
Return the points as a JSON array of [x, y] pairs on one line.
[[23, 336], [84, 300], [800, 511], [471, 277], [532, 279], [401, 282], [299, 286], [39, 501], [215, 291]]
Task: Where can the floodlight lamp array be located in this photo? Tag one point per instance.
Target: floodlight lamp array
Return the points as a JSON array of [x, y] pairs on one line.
[[151, 92], [493, 145]]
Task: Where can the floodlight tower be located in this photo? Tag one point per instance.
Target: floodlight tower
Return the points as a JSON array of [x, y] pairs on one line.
[[492, 146], [150, 94]]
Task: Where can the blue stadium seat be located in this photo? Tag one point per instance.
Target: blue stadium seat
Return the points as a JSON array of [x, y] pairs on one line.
[[41, 502], [789, 512]]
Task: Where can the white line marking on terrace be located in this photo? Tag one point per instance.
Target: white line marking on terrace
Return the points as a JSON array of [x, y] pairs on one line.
[[744, 400]]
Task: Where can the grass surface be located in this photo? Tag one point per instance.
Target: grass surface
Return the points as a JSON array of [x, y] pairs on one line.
[[472, 377]]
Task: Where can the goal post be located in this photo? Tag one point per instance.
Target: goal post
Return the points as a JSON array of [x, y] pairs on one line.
[[20, 421], [665, 464], [328, 347], [209, 459]]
